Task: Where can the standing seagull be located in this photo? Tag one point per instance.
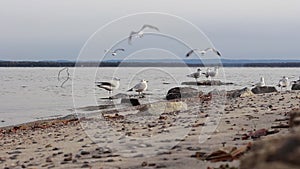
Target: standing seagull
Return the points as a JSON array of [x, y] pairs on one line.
[[203, 52], [211, 73], [114, 52], [283, 83], [140, 87], [110, 85], [140, 33], [195, 75], [261, 83]]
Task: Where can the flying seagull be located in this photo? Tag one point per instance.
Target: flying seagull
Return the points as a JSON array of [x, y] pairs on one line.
[[195, 75], [140, 33], [203, 52], [140, 87], [114, 52], [109, 85]]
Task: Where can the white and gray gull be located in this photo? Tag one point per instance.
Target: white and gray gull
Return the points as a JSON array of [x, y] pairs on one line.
[[140, 87], [140, 33], [109, 85], [195, 75], [114, 52], [203, 52]]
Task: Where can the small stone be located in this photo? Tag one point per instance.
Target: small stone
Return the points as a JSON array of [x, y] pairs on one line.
[[80, 140], [48, 160], [84, 152], [110, 160], [55, 149], [85, 166], [144, 163]]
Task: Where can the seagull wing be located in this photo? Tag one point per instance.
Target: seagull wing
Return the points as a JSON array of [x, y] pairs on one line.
[[217, 52], [130, 36], [105, 84], [189, 53], [119, 49], [149, 26]]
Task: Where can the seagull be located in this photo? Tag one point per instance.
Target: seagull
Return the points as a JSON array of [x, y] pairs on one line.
[[110, 85], [261, 83], [203, 52], [283, 83], [140, 87], [211, 73], [140, 33], [114, 52], [195, 75]]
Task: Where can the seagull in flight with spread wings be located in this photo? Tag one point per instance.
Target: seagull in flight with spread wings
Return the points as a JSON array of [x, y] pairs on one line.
[[140, 33], [203, 52], [114, 52]]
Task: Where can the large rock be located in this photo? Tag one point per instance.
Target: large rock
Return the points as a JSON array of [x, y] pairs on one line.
[[296, 86], [158, 108], [182, 92], [276, 153], [245, 92], [264, 89], [294, 117]]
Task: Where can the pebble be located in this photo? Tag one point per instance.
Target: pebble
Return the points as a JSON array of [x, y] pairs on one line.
[[48, 160], [80, 140], [84, 152]]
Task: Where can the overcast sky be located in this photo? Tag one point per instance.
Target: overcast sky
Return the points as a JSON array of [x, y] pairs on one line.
[[58, 29]]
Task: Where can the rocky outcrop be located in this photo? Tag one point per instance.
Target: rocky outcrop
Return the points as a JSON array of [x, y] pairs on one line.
[[182, 92], [245, 92], [280, 152], [296, 86], [294, 118], [206, 83], [275, 153], [133, 102], [264, 89]]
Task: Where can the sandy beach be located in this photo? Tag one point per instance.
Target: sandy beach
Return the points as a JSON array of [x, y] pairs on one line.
[[76, 143]]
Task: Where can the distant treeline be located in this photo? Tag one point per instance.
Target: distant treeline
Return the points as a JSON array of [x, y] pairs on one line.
[[137, 64]]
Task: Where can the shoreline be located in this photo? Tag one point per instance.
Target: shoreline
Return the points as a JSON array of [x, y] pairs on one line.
[[69, 142]]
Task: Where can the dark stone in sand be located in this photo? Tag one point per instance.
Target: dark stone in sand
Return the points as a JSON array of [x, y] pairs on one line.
[[239, 93], [84, 152], [182, 92], [207, 83], [296, 87], [264, 89], [133, 102]]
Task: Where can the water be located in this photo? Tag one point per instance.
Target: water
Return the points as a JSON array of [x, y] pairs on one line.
[[29, 94]]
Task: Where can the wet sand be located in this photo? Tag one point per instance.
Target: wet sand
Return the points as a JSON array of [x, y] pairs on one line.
[[139, 138]]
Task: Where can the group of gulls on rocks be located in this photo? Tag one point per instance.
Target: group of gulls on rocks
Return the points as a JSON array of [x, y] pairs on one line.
[[282, 83], [114, 84], [208, 74]]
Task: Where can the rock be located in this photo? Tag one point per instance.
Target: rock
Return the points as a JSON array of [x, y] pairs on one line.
[[162, 107], [264, 89], [245, 92], [207, 83], [133, 102], [119, 96], [296, 86], [294, 118], [182, 92], [276, 153]]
